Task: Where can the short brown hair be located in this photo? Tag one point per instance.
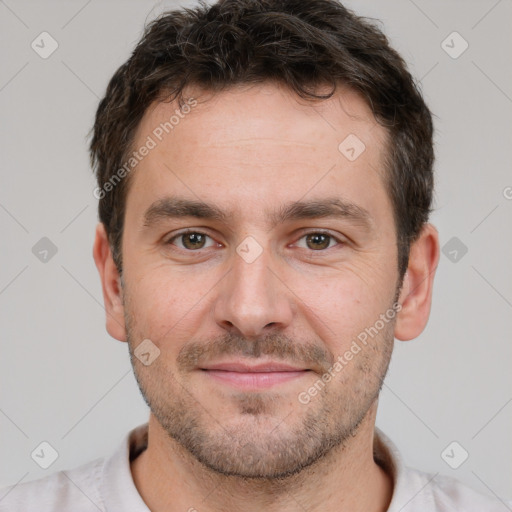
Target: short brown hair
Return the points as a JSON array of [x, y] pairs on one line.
[[300, 44]]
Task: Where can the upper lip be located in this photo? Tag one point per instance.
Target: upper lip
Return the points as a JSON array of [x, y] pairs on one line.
[[242, 367]]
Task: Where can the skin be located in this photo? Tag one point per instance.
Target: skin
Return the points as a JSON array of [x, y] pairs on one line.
[[214, 446]]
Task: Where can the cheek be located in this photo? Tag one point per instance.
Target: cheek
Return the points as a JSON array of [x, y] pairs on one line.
[[164, 305], [339, 307]]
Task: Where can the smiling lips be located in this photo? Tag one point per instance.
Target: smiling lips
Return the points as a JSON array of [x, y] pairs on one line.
[[261, 376]]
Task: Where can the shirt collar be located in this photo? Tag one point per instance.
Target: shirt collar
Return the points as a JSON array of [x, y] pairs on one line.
[[408, 484], [117, 486]]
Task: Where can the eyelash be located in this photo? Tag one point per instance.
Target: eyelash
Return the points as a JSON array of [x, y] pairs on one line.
[[315, 232]]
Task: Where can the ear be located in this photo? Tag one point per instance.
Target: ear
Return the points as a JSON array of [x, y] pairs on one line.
[[111, 284], [416, 293]]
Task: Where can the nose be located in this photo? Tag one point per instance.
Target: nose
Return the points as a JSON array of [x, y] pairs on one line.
[[252, 299]]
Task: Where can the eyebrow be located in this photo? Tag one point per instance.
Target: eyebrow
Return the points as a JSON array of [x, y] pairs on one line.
[[332, 207]]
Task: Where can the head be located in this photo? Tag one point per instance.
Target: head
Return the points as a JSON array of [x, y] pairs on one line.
[[265, 180]]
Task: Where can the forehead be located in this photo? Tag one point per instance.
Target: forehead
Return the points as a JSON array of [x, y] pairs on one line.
[[258, 144], [262, 111]]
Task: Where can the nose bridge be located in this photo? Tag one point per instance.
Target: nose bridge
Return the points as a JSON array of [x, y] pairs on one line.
[[252, 299]]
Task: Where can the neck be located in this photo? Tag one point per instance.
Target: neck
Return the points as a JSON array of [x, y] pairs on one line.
[[346, 479]]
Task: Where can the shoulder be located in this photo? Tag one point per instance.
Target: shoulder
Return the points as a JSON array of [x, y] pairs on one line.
[[76, 489], [418, 491], [444, 494], [103, 484]]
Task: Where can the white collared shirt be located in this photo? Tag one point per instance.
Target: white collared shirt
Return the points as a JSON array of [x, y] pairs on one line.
[[106, 485]]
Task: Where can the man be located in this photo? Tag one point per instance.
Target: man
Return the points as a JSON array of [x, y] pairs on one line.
[[264, 182]]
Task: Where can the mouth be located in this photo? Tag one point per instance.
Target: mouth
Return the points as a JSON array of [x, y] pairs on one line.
[[247, 376]]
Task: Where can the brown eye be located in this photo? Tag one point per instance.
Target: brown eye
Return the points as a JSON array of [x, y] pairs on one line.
[[318, 241], [191, 240]]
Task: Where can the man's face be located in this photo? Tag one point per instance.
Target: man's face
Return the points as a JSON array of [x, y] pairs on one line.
[[267, 286]]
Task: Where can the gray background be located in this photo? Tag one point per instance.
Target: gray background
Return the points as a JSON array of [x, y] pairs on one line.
[[65, 381]]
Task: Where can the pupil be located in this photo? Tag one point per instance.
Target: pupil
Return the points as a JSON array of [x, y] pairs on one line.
[[319, 237], [193, 239]]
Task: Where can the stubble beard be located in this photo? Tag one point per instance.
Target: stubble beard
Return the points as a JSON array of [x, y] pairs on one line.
[[263, 442]]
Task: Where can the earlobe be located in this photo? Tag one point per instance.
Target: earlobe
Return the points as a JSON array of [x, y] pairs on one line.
[[110, 283], [416, 293]]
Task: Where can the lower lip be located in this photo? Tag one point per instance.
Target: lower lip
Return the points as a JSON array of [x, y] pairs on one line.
[[254, 380]]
